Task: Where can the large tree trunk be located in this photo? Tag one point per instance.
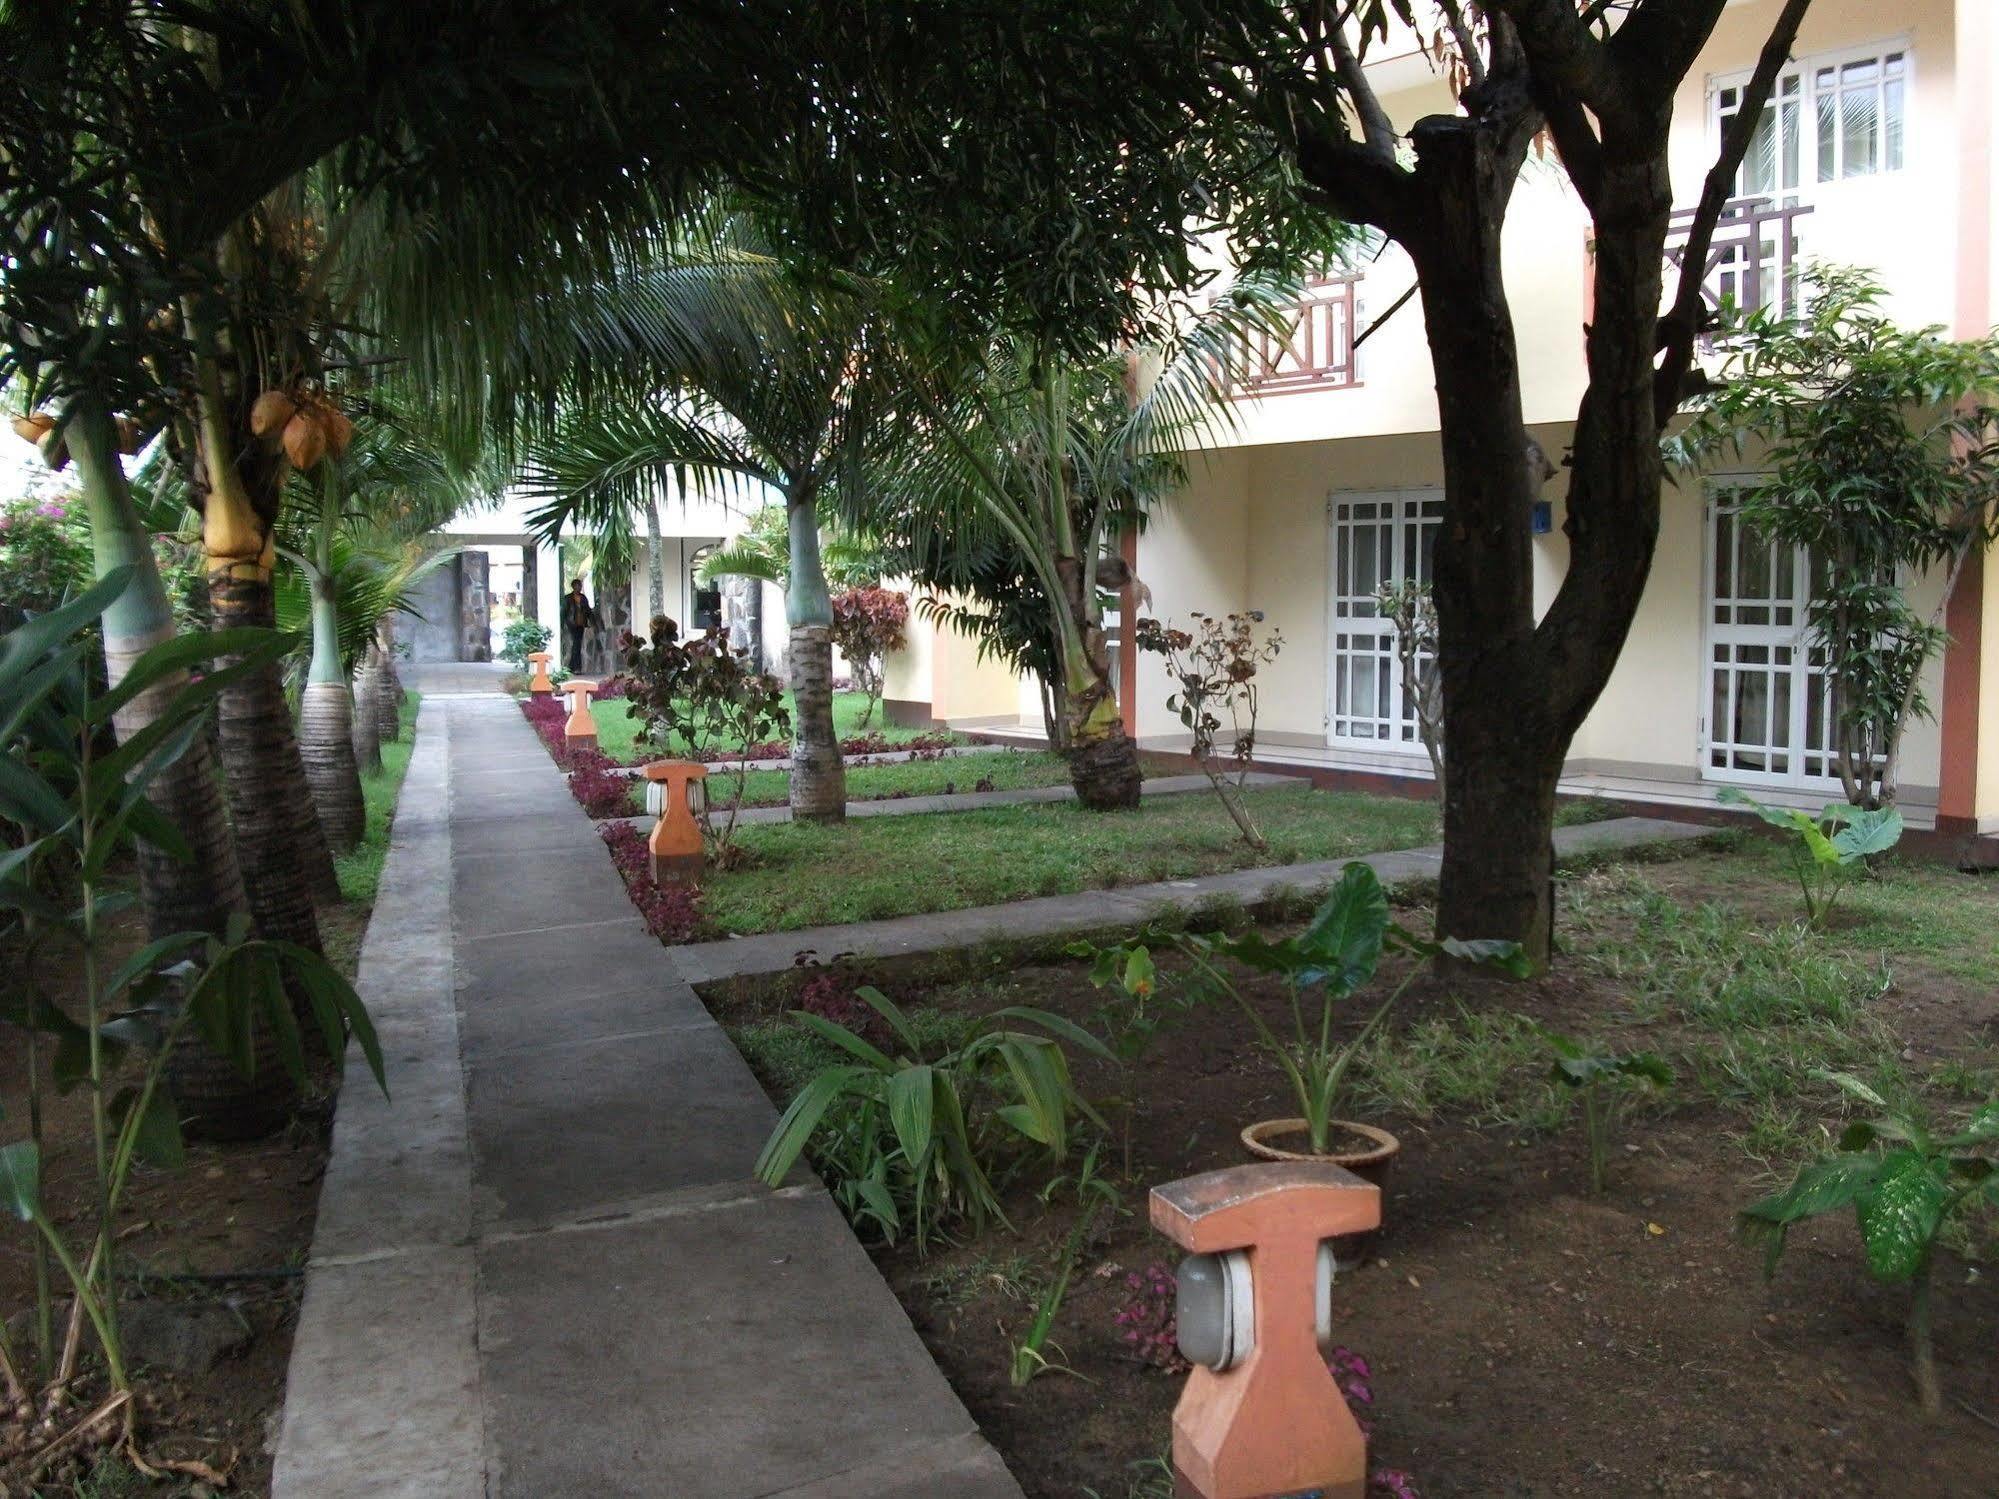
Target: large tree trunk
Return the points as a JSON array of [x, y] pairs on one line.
[[266, 780], [325, 728], [201, 893], [818, 770], [389, 685]]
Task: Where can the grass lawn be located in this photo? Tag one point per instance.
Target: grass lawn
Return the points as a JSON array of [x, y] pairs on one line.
[[1637, 1316], [361, 871], [1002, 770], [876, 867], [617, 729]]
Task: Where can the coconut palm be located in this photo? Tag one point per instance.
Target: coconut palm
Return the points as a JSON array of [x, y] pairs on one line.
[[785, 397], [1051, 457], [762, 552]]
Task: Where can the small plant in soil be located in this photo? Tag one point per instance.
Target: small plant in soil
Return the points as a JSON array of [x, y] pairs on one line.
[[1606, 1082], [1215, 665], [1147, 1321], [1332, 960], [909, 1137], [1827, 851], [75, 804], [1030, 1359], [1906, 1184], [1133, 1014]]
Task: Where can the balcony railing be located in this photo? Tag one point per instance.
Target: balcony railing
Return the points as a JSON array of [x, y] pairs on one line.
[[1314, 352], [1752, 262]]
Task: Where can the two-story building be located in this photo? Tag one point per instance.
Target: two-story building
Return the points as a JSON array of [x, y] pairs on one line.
[[1878, 148]]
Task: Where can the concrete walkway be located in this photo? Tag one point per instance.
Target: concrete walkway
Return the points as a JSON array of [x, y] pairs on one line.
[[1125, 907], [542, 1268]]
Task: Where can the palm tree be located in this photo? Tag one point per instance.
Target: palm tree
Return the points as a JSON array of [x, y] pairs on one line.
[[1050, 458], [785, 397], [762, 552], [345, 533]]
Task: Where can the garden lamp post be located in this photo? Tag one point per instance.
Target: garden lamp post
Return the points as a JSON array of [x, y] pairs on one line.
[[675, 844], [539, 685], [1261, 1416], [580, 731]]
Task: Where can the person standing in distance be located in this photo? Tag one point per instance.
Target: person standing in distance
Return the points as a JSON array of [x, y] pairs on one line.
[[579, 617]]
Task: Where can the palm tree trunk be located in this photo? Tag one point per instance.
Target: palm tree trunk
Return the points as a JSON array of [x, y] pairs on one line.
[[266, 778], [655, 565], [325, 727], [390, 695], [368, 713], [201, 893], [1103, 758], [818, 772]]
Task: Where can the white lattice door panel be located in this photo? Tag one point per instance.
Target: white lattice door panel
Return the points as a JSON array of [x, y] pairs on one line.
[[1377, 539]]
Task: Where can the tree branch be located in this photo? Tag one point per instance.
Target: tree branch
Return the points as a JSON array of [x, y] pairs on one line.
[[1683, 323], [1461, 38], [1562, 51], [1376, 128]]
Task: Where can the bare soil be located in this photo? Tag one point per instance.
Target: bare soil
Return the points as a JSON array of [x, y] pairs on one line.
[[1526, 1337], [232, 1227]]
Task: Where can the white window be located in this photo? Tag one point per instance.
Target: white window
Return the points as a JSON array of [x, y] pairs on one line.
[[1378, 539], [1770, 711], [1842, 115]]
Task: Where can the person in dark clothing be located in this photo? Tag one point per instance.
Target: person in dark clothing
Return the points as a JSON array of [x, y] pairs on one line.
[[579, 617]]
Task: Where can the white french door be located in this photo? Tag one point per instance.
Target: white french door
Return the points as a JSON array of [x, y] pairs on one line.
[[1769, 715], [1378, 538]]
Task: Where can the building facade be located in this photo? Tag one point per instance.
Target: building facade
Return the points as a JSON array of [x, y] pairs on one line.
[[1877, 149]]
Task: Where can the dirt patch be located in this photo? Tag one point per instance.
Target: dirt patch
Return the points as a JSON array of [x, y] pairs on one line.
[[230, 1229], [1525, 1336]]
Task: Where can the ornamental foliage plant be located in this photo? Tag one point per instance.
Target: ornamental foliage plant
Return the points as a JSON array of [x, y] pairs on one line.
[[1906, 1182], [1882, 464], [1214, 666], [1828, 851], [909, 1137], [1325, 965], [694, 695], [74, 806], [868, 623], [1606, 1081], [522, 637]]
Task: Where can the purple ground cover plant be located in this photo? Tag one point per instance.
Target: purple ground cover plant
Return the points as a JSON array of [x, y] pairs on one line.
[[1147, 1319], [672, 912]]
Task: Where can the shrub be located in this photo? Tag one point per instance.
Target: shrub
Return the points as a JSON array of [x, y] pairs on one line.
[[1829, 850], [1215, 665], [44, 555], [867, 624], [523, 636]]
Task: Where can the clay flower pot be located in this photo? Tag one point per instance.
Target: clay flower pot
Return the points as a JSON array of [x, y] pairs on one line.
[[1370, 1162]]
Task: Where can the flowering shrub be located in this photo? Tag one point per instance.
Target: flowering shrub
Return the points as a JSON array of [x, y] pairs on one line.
[[1148, 1321], [672, 912], [1215, 666], [44, 552], [867, 625]]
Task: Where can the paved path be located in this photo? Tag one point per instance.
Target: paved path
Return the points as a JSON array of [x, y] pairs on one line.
[[542, 1268], [980, 801], [1127, 906]]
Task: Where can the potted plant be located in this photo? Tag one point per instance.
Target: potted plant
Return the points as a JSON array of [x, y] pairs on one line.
[[1323, 967]]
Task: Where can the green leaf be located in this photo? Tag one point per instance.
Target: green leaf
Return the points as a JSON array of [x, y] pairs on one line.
[[28, 799], [1981, 1127], [22, 647], [911, 1094], [795, 1127], [1490, 952], [144, 961], [156, 1136], [181, 652], [1820, 1187], [837, 1034], [1058, 1026], [20, 1179], [1900, 1214], [1868, 831], [898, 1022], [1346, 932], [26, 697]]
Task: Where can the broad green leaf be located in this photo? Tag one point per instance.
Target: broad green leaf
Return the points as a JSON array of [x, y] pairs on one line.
[[898, 1022], [1847, 1083], [795, 1128], [27, 644], [1980, 1128], [28, 799], [25, 698], [20, 1179], [1491, 952], [1346, 932], [156, 1137], [910, 1098], [1900, 1213], [1868, 832], [181, 652], [144, 961], [846, 1040], [1777, 817], [1647, 1065], [1818, 1188], [1058, 1026]]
